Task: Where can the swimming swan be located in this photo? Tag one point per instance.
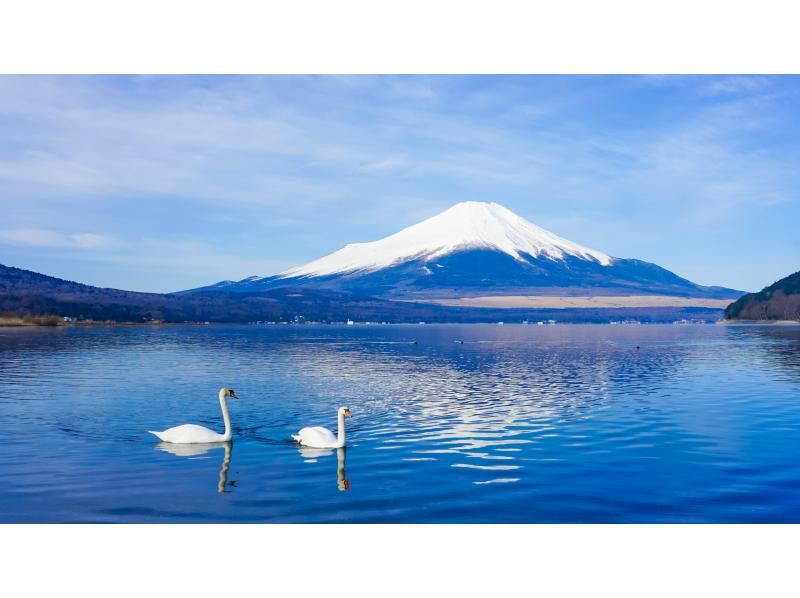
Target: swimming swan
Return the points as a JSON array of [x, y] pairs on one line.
[[193, 434], [318, 437]]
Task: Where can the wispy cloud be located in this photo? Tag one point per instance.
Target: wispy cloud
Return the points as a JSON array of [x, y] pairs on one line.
[[388, 163], [737, 85], [40, 237]]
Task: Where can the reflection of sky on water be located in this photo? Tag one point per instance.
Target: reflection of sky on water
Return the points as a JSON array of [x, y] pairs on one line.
[[312, 455], [200, 449], [486, 397], [563, 423]]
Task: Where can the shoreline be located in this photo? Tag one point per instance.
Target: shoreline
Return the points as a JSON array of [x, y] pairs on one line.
[[47, 322], [759, 322], [532, 324]]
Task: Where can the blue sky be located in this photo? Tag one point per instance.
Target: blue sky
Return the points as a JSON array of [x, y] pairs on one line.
[[163, 183]]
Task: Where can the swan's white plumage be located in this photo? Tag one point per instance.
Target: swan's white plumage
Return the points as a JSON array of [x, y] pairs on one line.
[[316, 436], [189, 434], [194, 434], [319, 437]]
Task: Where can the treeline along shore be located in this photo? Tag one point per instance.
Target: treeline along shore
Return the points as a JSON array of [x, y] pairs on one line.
[[29, 298], [32, 299]]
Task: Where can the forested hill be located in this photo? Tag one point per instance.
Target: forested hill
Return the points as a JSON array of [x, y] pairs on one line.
[[778, 301]]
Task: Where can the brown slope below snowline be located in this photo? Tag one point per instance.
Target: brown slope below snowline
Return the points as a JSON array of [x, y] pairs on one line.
[[556, 302], [323, 308]]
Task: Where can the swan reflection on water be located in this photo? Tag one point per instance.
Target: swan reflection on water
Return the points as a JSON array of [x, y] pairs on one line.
[[195, 450], [341, 455]]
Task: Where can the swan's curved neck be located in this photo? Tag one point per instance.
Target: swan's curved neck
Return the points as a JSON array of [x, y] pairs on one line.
[[226, 418], [340, 440]]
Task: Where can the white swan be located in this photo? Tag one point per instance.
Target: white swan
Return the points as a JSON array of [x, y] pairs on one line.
[[318, 437], [194, 434]]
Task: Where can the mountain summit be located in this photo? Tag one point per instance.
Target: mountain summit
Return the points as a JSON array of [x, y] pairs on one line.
[[467, 225], [477, 249]]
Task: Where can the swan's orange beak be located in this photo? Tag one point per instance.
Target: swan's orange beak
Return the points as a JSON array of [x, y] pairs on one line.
[[347, 413]]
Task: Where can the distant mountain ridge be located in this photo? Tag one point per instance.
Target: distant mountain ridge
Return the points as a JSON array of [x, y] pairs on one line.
[[477, 248], [27, 293], [778, 301]]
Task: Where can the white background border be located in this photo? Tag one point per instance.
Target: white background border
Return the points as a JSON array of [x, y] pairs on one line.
[[347, 36], [643, 561], [412, 36]]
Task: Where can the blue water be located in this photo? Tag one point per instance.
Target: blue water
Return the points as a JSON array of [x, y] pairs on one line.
[[517, 424]]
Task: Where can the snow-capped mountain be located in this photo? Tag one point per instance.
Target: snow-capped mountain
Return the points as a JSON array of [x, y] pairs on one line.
[[467, 225], [476, 248]]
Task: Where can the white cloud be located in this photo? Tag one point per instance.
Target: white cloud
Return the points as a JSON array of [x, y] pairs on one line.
[[710, 85], [389, 163], [91, 240], [737, 85], [42, 237]]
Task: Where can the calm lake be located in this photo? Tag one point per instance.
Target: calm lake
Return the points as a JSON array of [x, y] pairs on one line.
[[479, 423]]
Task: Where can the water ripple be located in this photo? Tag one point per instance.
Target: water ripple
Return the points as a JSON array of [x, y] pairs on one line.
[[700, 424]]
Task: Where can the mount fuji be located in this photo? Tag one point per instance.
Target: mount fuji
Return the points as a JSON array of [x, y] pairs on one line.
[[476, 249]]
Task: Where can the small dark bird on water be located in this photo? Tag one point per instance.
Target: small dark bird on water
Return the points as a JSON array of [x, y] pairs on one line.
[[637, 347]]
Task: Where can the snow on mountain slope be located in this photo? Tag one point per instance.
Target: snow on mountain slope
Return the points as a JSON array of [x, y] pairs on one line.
[[471, 250], [467, 225]]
